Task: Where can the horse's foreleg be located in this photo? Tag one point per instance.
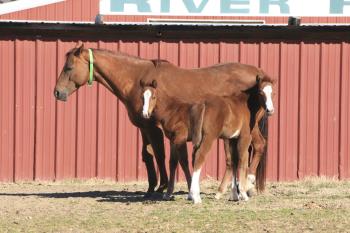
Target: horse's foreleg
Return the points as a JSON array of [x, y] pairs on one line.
[[183, 157], [228, 171], [200, 154], [156, 138], [174, 158], [147, 158], [242, 147]]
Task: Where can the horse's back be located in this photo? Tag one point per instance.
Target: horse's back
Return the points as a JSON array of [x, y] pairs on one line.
[[192, 85]]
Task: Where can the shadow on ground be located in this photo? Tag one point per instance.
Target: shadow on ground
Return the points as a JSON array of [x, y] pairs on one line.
[[100, 196]]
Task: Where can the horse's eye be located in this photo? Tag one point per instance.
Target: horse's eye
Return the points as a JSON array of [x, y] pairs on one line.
[[69, 68]]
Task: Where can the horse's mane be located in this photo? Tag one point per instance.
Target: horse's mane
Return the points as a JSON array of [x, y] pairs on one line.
[[156, 62]]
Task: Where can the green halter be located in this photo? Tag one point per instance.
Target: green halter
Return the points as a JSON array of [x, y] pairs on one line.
[[91, 62]]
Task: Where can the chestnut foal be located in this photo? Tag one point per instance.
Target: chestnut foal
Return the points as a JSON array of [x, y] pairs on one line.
[[216, 117]]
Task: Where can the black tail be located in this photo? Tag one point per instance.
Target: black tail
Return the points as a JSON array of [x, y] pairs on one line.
[[261, 169]]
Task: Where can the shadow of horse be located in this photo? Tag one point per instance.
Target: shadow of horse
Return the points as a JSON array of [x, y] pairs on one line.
[[100, 196]]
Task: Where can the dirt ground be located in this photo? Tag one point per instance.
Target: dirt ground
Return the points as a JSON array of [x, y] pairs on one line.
[[312, 205]]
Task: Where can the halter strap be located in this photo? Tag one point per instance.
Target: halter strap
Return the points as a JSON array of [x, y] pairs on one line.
[[91, 68]]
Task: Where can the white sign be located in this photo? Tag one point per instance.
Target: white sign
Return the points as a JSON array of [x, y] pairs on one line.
[[20, 5], [226, 7]]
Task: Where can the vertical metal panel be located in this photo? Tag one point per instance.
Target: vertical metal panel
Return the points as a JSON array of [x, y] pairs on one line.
[[45, 130], [344, 150], [309, 109], [329, 118], [288, 111], [25, 81], [7, 106]]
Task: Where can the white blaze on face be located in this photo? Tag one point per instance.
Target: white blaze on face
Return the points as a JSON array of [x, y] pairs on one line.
[[268, 93], [146, 98]]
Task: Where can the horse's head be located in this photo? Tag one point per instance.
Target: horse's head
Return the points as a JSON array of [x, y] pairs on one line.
[[74, 74], [149, 97], [266, 94]]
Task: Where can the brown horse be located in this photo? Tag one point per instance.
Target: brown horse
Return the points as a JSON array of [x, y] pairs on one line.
[[121, 74], [217, 117]]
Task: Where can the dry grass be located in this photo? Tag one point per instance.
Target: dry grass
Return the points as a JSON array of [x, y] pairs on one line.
[[312, 205]]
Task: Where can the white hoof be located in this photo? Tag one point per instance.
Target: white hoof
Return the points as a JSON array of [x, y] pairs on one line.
[[243, 196], [251, 192], [250, 182], [218, 196], [196, 198]]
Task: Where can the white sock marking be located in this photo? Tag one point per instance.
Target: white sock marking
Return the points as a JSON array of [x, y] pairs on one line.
[[235, 134], [146, 97], [268, 92], [195, 182], [195, 191]]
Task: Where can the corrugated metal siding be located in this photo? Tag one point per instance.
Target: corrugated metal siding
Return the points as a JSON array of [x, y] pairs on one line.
[[91, 135], [86, 10]]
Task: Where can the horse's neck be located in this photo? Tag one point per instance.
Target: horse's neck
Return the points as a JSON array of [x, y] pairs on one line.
[[169, 108], [119, 73]]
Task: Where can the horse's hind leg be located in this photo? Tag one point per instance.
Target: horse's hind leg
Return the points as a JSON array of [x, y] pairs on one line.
[[256, 176], [243, 146], [259, 144], [228, 171], [157, 141], [200, 154]]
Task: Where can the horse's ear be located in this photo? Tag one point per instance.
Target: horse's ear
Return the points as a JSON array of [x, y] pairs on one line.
[[154, 83], [79, 50], [258, 79]]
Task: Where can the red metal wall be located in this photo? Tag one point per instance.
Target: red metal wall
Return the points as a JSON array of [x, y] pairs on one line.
[[91, 136]]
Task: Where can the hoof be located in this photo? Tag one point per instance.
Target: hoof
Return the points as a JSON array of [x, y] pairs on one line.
[[234, 196], [250, 182], [168, 197], [251, 192], [189, 197], [243, 196], [197, 200], [234, 193], [218, 196], [161, 188]]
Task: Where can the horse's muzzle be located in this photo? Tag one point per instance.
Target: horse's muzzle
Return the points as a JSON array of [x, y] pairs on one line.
[[146, 115], [60, 95], [270, 112]]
